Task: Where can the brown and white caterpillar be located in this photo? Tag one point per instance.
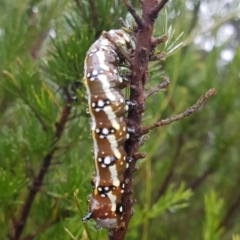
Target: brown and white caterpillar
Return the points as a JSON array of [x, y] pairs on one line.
[[107, 108]]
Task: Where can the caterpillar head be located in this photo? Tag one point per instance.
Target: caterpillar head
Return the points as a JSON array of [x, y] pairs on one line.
[[104, 213]]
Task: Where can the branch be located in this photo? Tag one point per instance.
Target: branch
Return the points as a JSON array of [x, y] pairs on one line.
[[157, 9], [64, 116], [184, 114], [33, 189], [158, 40], [79, 6], [157, 88], [197, 182], [132, 10], [20, 223], [93, 12], [229, 213], [39, 230]]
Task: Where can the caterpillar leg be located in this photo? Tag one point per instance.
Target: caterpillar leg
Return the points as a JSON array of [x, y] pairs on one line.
[[130, 104], [87, 217], [125, 79]]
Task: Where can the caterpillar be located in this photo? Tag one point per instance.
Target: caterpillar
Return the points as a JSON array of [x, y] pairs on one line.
[[109, 131]]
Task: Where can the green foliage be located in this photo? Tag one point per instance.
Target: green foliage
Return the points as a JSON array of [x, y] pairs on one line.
[[171, 201], [236, 237], [42, 49], [213, 209]]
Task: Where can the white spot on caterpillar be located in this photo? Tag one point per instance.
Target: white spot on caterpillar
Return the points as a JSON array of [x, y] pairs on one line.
[[107, 160], [99, 160], [100, 103], [88, 75], [105, 131], [100, 189], [93, 104], [94, 72], [102, 195], [97, 130]]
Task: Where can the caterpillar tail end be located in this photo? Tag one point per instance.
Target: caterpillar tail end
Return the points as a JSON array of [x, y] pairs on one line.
[[87, 217]]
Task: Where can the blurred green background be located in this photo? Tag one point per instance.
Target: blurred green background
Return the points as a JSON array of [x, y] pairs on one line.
[[188, 185]]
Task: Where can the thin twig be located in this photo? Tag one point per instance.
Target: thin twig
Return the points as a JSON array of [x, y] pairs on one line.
[[141, 2], [157, 88], [93, 11], [157, 57], [197, 182], [132, 10], [79, 5], [184, 114], [123, 24], [39, 230], [34, 188], [229, 213], [158, 8], [64, 116], [158, 40], [139, 156]]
